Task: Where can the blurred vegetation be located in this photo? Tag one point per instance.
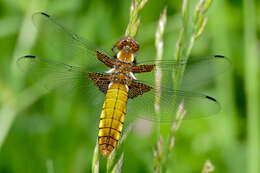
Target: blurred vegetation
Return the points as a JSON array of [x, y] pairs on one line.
[[42, 131]]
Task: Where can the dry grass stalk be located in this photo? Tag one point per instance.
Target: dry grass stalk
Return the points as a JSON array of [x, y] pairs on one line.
[[176, 124], [159, 53], [95, 160], [136, 7], [208, 167], [118, 167]]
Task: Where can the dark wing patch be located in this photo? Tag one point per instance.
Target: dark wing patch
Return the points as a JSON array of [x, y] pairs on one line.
[[101, 80], [143, 68], [136, 89], [105, 59]]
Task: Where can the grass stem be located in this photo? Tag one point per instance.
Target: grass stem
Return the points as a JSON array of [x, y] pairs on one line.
[[252, 86], [95, 159], [159, 54], [133, 25]]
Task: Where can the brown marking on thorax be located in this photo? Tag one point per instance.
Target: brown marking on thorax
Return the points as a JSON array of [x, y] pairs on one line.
[[121, 74]]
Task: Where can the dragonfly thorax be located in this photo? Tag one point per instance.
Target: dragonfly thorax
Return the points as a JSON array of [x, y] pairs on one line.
[[122, 74]]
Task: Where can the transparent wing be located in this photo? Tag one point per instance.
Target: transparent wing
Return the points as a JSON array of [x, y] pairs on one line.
[[54, 73], [198, 71], [196, 105], [63, 41]]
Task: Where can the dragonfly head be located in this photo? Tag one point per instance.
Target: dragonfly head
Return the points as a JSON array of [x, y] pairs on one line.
[[128, 44], [125, 49]]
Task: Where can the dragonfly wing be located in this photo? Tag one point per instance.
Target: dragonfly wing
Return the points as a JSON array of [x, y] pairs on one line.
[[52, 73], [58, 37], [196, 105], [197, 71], [203, 70]]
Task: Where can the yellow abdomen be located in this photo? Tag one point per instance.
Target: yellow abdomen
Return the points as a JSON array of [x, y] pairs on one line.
[[112, 118]]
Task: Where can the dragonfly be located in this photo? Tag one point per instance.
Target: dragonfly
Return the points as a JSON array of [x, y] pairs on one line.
[[129, 86]]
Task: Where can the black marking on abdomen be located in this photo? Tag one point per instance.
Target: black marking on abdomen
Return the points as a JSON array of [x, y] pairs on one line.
[[107, 144], [108, 137], [110, 128]]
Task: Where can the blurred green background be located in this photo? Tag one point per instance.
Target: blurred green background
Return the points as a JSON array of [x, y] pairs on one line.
[[40, 131]]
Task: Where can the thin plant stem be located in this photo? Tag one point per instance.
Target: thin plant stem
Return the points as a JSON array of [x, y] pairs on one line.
[[171, 140], [95, 159], [134, 21], [252, 86], [159, 54], [117, 168], [186, 40], [161, 154], [158, 79]]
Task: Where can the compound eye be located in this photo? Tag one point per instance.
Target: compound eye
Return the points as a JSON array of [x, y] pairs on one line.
[[135, 47], [119, 45]]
